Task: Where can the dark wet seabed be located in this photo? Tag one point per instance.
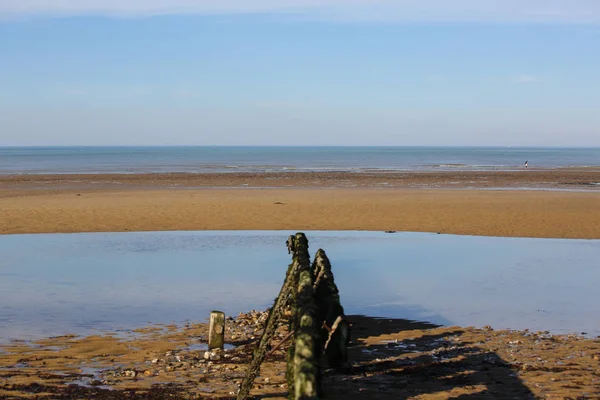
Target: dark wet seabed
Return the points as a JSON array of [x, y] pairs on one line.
[[54, 284]]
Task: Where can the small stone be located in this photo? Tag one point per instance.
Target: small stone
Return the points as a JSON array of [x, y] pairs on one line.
[[148, 373], [155, 361], [212, 355], [130, 373]]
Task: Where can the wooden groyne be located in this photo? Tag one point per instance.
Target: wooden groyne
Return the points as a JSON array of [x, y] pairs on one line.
[[309, 303], [334, 332]]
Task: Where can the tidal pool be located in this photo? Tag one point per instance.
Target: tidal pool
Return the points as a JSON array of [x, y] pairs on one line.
[[53, 284]]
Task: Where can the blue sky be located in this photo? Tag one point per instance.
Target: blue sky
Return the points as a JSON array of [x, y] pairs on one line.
[[291, 72]]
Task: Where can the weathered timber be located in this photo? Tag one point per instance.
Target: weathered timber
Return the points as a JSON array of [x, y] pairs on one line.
[[278, 345], [305, 360], [275, 316], [216, 330], [334, 333], [317, 325], [290, 244], [293, 248]]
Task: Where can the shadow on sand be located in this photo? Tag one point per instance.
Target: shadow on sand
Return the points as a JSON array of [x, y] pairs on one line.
[[441, 365]]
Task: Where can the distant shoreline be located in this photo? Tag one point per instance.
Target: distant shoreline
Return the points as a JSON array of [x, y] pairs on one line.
[[572, 179]]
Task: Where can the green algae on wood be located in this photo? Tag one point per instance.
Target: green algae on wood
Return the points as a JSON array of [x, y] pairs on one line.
[[216, 330], [334, 328], [305, 360]]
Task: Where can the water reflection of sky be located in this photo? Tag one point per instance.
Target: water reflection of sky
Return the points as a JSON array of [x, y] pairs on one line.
[[60, 283]]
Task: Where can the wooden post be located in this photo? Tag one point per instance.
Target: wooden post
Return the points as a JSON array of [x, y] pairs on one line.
[[306, 369], [305, 360], [334, 332], [216, 330]]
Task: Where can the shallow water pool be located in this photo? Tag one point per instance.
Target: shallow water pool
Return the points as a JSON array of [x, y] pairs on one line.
[[53, 284]]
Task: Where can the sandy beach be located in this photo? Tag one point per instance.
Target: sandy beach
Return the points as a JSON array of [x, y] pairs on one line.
[[390, 358], [551, 204]]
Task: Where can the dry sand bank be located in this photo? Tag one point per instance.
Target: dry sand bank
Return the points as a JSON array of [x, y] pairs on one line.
[[328, 200], [389, 359], [470, 212]]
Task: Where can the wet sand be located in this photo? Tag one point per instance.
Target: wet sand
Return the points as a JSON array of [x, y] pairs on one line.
[[389, 359], [567, 178], [472, 203]]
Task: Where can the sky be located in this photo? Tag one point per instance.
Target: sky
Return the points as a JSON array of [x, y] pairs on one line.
[[300, 72]]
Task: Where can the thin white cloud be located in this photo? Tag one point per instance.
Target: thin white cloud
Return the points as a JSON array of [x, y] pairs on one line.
[[559, 11]]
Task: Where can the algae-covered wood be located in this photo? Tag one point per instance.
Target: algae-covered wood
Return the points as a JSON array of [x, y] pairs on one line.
[[305, 361], [216, 330], [334, 328]]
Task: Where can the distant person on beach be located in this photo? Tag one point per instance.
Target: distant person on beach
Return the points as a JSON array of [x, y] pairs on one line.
[[526, 164]]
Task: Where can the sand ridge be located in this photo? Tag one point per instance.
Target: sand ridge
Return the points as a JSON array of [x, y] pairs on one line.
[[469, 212]]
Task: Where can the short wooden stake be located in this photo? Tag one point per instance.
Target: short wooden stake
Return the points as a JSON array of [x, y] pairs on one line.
[[216, 330]]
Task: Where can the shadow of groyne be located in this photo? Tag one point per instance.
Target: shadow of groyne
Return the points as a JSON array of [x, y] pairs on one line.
[[399, 359]]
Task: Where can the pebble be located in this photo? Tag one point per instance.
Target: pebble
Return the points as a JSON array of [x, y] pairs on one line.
[[130, 373], [212, 355]]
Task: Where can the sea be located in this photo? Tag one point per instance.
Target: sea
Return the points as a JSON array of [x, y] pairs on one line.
[[205, 159]]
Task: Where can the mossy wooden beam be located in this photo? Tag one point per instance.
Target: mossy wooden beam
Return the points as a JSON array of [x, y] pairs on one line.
[[306, 369], [305, 359], [334, 330]]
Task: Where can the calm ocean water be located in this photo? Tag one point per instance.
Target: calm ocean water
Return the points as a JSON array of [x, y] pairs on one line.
[[261, 159]]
